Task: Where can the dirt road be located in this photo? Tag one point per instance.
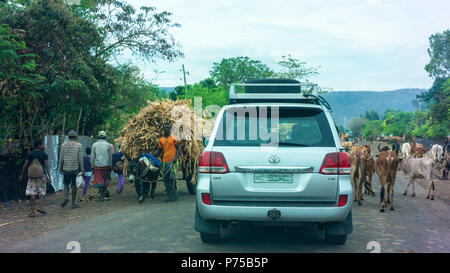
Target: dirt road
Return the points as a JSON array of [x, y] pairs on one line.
[[416, 225]]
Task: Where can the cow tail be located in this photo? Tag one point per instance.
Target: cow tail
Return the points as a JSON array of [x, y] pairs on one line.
[[389, 162]]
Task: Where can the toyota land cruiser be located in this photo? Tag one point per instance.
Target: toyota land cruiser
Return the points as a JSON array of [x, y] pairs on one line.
[[274, 155]]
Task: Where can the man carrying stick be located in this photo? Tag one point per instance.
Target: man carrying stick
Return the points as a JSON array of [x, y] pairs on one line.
[[169, 146]]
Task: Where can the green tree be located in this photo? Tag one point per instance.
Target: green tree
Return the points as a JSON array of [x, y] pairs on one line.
[[178, 92], [415, 103], [295, 69], [56, 64], [437, 97], [372, 115], [439, 52], [20, 98], [238, 69], [210, 96], [132, 93], [356, 125], [144, 32], [208, 83], [397, 123], [372, 128]]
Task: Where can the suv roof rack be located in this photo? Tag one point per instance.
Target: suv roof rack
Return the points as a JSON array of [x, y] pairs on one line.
[[277, 90]]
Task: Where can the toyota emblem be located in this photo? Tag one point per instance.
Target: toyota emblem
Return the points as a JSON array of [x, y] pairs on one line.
[[274, 159]]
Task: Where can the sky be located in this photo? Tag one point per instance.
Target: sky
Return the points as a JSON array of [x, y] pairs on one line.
[[373, 45]]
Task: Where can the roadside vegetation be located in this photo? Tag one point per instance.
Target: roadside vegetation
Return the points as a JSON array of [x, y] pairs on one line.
[[433, 120], [60, 68], [59, 65]]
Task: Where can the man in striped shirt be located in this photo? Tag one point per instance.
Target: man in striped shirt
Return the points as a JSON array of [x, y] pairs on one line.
[[71, 164]]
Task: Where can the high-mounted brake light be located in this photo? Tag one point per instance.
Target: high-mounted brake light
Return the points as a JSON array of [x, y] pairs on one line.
[[336, 163], [212, 162]]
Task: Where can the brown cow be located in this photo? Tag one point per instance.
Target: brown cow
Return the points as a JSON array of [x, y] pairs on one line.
[[417, 150], [369, 172], [348, 145], [386, 168], [359, 157]]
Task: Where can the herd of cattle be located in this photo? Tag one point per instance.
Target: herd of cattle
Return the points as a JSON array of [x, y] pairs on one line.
[[416, 162]]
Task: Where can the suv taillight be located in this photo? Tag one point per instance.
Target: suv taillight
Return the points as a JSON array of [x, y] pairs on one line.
[[212, 162], [336, 163]]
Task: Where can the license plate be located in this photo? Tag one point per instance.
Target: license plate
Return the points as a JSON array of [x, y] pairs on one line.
[[273, 178]]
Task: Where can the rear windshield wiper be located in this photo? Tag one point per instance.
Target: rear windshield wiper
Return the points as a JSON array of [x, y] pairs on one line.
[[292, 144]]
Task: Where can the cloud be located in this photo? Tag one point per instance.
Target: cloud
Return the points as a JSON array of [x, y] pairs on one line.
[[358, 44]]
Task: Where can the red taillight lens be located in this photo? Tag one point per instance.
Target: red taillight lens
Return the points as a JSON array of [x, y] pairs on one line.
[[344, 163], [212, 162], [330, 164], [336, 163], [206, 198], [342, 200]]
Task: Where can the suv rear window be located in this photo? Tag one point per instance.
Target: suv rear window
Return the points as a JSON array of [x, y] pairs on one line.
[[279, 126]]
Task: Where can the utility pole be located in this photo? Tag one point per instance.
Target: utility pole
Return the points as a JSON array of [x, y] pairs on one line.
[[184, 77]]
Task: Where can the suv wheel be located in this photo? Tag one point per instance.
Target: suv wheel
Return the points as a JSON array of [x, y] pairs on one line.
[[336, 239], [209, 237]]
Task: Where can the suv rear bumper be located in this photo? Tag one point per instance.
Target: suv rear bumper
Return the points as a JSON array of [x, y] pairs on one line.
[[287, 214]]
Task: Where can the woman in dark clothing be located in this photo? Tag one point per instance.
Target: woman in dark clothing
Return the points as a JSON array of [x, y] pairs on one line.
[[37, 185]]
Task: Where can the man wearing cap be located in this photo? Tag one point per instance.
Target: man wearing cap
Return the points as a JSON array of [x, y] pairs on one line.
[[101, 160], [71, 164]]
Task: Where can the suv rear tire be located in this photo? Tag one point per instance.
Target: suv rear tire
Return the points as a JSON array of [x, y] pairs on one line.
[[209, 237], [336, 239]]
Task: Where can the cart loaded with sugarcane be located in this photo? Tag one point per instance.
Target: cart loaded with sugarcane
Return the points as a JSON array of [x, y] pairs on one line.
[[139, 143]]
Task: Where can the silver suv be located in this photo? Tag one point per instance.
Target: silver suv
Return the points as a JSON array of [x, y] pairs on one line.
[[274, 156]]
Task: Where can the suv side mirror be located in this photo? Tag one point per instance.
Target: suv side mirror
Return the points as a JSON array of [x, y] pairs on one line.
[[205, 141]]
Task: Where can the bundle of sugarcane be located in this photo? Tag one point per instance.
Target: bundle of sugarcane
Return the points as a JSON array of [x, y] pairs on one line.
[[142, 133]]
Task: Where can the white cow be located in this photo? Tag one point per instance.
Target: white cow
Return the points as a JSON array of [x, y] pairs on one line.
[[406, 149], [435, 153], [417, 168]]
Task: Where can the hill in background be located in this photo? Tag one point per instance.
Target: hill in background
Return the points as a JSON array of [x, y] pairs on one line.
[[349, 104], [167, 90]]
